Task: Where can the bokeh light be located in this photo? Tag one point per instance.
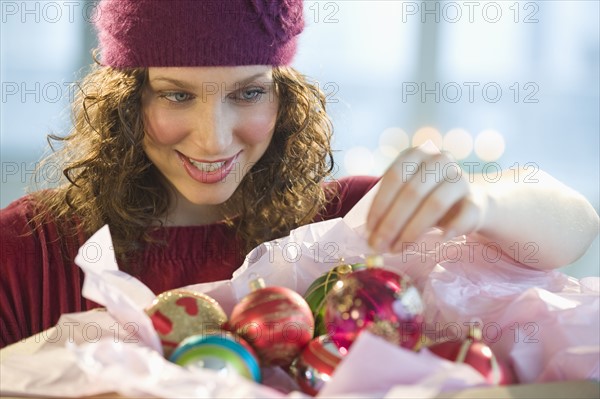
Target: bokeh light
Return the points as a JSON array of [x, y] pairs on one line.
[[459, 143], [392, 141], [427, 133], [489, 145]]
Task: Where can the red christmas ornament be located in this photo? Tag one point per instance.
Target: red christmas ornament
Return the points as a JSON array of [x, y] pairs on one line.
[[276, 321], [380, 301], [474, 352], [315, 365], [317, 291]]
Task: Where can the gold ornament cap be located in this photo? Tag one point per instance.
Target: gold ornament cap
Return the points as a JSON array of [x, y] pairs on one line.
[[257, 284], [374, 261]]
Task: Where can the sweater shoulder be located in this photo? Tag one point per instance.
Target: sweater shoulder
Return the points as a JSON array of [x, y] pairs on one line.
[[15, 218], [344, 193]]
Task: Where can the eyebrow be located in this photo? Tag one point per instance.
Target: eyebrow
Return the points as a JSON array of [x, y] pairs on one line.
[[185, 85]]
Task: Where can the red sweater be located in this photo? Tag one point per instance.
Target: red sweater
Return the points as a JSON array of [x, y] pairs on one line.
[[39, 280]]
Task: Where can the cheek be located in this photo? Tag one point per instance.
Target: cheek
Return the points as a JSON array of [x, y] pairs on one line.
[[162, 128], [258, 127]]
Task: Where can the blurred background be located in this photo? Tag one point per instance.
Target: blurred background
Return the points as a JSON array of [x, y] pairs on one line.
[[503, 84]]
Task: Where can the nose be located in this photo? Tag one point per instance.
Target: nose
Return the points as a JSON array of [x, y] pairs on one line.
[[213, 129]]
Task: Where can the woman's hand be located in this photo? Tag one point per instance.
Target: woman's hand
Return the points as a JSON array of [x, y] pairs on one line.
[[424, 189], [421, 190]]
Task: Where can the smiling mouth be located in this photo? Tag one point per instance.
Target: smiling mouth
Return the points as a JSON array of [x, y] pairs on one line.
[[206, 171], [207, 167]]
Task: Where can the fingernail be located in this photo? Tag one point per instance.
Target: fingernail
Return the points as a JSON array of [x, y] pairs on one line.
[[373, 242]]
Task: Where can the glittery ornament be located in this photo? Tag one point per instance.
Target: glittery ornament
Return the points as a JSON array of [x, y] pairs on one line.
[[315, 365], [276, 321], [179, 313], [315, 294], [380, 301], [223, 352], [477, 354]]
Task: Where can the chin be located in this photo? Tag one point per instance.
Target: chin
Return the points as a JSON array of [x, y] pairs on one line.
[[212, 197]]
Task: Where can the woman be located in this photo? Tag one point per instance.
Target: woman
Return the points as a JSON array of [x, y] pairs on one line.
[[195, 141]]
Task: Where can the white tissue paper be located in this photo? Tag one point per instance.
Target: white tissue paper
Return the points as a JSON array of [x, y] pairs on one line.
[[544, 323]]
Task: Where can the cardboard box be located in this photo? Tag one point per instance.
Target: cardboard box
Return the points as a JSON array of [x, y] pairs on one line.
[[563, 389]]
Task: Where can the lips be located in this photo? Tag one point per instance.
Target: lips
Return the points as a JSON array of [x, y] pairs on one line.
[[208, 172], [207, 167]]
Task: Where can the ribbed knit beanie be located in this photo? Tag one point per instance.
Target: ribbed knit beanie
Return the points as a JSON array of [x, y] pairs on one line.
[[144, 33]]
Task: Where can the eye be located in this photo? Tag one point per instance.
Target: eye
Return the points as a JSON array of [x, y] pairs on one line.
[[249, 95], [177, 96]]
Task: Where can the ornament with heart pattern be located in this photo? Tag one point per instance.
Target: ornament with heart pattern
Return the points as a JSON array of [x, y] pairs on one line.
[[180, 313]]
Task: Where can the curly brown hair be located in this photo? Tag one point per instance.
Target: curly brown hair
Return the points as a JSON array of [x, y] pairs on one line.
[[110, 180]]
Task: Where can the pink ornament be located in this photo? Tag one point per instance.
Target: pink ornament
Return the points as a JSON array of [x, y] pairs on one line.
[[276, 321], [380, 301]]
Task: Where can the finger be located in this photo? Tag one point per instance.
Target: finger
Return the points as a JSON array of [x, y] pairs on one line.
[[436, 206], [406, 202], [401, 170], [463, 220]]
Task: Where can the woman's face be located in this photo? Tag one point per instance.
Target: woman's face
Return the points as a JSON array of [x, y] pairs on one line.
[[204, 129]]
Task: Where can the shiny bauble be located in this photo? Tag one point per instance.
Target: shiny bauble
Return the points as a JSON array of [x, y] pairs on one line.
[[276, 321], [380, 301], [179, 313], [477, 354], [222, 352], [315, 365], [316, 292]]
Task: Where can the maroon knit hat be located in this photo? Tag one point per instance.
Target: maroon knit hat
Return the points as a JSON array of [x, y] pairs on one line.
[[144, 33]]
